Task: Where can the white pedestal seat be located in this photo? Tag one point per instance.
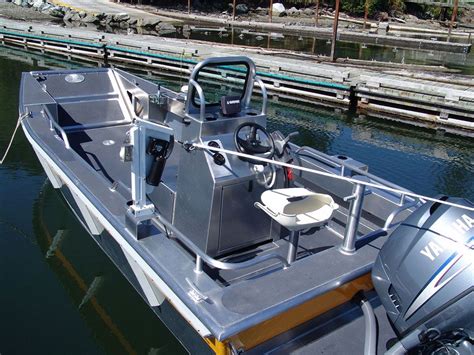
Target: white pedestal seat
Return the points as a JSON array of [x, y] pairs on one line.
[[297, 209]]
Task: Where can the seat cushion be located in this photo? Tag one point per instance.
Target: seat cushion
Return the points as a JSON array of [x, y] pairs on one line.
[[298, 208]]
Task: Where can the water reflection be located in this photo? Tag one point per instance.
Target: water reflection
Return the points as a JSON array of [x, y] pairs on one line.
[[119, 319]]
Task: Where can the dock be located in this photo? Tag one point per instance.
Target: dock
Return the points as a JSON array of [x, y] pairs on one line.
[[443, 101]]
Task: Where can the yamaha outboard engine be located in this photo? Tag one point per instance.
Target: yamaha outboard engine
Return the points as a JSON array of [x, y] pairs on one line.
[[424, 276]]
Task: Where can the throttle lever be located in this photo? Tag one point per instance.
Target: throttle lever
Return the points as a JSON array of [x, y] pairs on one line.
[[280, 144]]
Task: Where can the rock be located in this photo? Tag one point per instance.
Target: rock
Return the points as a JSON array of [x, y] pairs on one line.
[[123, 24], [282, 14], [133, 22], [294, 12], [36, 3], [382, 16], [278, 8], [57, 11], [123, 16], [76, 17], [82, 14], [45, 8], [308, 12], [90, 18], [148, 22], [261, 11], [68, 16], [165, 28], [186, 31], [109, 18], [411, 17], [241, 9]]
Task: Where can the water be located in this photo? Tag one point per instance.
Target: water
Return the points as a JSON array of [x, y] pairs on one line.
[[464, 62], [61, 294], [322, 47]]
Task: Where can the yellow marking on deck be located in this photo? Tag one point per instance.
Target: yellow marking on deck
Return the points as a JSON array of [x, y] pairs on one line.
[[301, 314], [220, 348]]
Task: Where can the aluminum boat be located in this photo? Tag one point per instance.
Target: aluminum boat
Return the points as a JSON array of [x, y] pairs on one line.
[[237, 238]]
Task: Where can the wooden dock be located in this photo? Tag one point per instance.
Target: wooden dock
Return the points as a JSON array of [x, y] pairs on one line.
[[418, 100]]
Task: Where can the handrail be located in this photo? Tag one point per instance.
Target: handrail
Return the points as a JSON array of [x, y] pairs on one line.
[[336, 164], [202, 100], [264, 94], [387, 187], [203, 257], [388, 222], [59, 128]]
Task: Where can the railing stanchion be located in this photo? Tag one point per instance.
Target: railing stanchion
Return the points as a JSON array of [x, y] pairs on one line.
[[355, 210], [198, 268]]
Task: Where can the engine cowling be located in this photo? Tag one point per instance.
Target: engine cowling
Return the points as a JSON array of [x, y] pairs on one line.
[[424, 274]]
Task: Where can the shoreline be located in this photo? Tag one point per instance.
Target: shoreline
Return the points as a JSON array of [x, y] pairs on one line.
[[439, 100]]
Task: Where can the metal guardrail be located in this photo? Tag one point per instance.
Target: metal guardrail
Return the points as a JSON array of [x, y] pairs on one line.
[[202, 257]]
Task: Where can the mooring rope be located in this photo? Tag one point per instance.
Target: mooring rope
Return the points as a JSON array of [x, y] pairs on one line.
[[322, 173], [20, 118]]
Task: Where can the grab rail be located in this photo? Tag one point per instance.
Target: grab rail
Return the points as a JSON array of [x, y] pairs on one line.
[[386, 186], [202, 99], [54, 125], [264, 95], [203, 257], [324, 158], [388, 222]]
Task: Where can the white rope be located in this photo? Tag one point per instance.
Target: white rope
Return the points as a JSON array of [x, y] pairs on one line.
[[20, 118], [338, 177]]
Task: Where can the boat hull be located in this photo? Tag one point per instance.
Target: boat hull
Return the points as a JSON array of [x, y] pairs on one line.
[[152, 293]]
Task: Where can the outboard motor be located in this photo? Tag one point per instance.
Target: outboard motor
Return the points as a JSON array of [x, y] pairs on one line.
[[424, 276]]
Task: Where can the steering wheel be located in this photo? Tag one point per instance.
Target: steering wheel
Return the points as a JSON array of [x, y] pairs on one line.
[[251, 138]]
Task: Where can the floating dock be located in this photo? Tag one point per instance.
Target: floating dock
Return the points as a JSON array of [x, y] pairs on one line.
[[441, 102]]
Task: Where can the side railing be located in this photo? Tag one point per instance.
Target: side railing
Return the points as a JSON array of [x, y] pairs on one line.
[[203, 258]]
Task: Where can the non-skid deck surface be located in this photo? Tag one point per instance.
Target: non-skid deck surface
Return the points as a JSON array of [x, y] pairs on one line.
[[100, 148], [311, 242]]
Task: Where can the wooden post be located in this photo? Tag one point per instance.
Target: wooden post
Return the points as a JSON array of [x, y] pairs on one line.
[[270, 10], [317, 12], [366, 12], [189, 7], [233, 10], [334, 32], [453, 17]]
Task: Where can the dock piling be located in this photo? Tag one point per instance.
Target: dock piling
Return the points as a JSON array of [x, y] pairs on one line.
[[334, 32]]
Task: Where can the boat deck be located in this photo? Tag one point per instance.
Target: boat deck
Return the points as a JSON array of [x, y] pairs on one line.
[[229, 302]]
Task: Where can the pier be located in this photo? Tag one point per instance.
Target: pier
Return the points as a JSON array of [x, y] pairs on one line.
[[443, 101]]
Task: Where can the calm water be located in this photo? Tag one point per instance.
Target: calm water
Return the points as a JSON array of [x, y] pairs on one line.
[[314, 45], [464, 62], [61, 294]]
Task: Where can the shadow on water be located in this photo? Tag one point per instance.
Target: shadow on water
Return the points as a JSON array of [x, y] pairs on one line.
[[79, 303]]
